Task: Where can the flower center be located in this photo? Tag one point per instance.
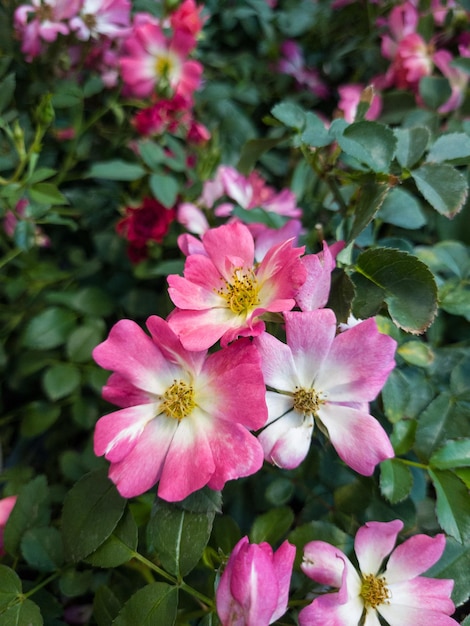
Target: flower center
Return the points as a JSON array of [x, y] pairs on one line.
[[90, 21], [178, 400], [374, 590], [306, 401], [163, 66], [241, 294], [45, 13]]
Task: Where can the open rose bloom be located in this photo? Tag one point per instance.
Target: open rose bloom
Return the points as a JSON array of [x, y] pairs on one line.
[[395, 591], [329, 379], [181, 421], [254, 587]]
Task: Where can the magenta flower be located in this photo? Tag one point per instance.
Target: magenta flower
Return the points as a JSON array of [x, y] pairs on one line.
[[150, 61], [181, 421], [98, 18], [6, 507], [224, 293], [254, 587], [395, 592], [328, 379]]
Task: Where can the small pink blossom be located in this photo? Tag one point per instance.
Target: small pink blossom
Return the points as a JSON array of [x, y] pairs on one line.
[[458, 80], [224, 293], [187, 17], [6, 507], [396, 592], [98, 18], [152, 61], [349, 98], [254, 587], [328, 379], [292, 63], [181, 422]]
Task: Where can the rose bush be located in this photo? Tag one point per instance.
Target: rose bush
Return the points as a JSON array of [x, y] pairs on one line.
[[234, 338]]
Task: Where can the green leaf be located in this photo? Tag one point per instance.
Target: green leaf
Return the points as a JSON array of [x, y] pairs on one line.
[[253, 149], [178, 536], [154, 604], [83, 339], [452, 505], [454, 564], [411, 144], [401, 208], [315, 133], [116, 169], [60, 380], [105, 606], [46, 193], [7, 89], [119, 546], [67, 94], [417, 353], [10, 586], [434, 90], [151, 153], [74, 583], [164, 189], [444, 187], [452, 454], [48, 329], [272, 525], [42, 548], [38, 416], [31, 510], [365, 202], [90, 300], [403, 436], [259, 215], [26, 613], [408, 287], [290, 114], [370, 143], [396, 480], [454, 147], [92, 510]]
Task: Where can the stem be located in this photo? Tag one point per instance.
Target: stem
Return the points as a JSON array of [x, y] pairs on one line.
[[413, 463], [45, 582], [178, 583]]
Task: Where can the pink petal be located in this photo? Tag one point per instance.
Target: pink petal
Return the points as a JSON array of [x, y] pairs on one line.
[[199, 330], [323, 563], [432, 593], [414, 556], [6, 507], [200, 291], [357, 437], [313, 294], [358, 364], [118, 390], [171, 347], [281, 272], [278, 405], [141, 468], [132, 354], [117, 434], [374, 541], [310, 335], [397, 615], [327, 610], [277, 363], [286, 442], [230, 241], [283, 561]]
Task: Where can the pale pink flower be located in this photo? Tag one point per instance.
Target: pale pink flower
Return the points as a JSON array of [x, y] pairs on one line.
[[254, 587], [42, 21], [349, 99], [458, 80], [224, 293], [97, 18], [293, 64], [192, 218], [328, 379], [151, 61], [396, 592], [6, 507], [181, 422]]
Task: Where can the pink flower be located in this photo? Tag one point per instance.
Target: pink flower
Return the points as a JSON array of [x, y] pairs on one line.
[[328, 379], [181, 422], [254, 587], [187, 17], [152, 61], [314, 293], [223, 293], [42, 21], [349, 99], [292, 63], [97, 18], [6, 507], [395, 592], [458, 80]]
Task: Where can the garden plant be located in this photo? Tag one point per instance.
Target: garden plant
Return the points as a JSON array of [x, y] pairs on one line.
[[234, 312]]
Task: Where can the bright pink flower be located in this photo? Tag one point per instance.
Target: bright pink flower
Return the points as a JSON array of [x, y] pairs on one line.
[[148, 222], [181, 422], [396, 592], [349, 98], [152, 61], [224, 293], [254, 587], [328, 378], [6, 507], [187, 17], [97, 18], [42, 21]]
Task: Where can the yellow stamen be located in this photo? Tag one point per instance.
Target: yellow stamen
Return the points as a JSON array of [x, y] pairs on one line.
[[178, 400], [307, 401], [163, 66], [374, 591], [241, 294]]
